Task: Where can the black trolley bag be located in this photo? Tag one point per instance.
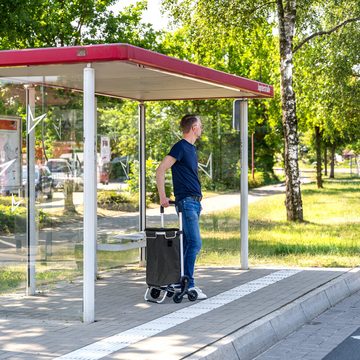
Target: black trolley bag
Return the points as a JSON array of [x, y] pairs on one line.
[[165, 263]]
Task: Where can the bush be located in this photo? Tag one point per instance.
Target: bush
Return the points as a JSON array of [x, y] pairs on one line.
[[15, 221], [118, 201], [12, 220], [7, 200], [261, 179], [151, 189]]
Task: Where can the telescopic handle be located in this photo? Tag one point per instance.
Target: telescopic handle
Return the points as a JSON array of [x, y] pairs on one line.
[[171, 202]]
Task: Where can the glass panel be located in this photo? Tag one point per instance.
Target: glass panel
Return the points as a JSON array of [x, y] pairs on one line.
[[58, 195], [12, 203], [59, 191], [219, 172], [117, 183], [219, 169]]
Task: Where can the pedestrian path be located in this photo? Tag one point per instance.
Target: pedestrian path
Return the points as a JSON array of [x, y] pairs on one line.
[[122, 340], [48, 326], [227, 201]]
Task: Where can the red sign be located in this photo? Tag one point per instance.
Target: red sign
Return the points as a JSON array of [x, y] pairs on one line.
[[8, 124]]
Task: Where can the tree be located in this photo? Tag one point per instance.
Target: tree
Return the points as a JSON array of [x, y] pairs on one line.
[[307, 16], [329, 104]]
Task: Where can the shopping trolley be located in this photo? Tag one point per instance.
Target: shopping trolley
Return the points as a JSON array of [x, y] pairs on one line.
[[165, 263]]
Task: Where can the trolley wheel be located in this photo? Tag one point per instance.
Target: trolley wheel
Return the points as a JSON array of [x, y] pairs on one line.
[[169, 294], [184, 281], [177, 299], [192, 295], [155, 293]]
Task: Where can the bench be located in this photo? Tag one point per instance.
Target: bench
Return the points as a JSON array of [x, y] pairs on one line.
[[133, 241]]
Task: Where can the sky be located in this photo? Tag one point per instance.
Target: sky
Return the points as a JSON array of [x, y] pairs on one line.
[[152, 15]]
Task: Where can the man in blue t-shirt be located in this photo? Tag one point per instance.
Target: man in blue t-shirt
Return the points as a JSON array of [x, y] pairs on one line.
[[183, 161]]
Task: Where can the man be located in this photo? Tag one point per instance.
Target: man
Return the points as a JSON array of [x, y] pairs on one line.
[[183, 161]]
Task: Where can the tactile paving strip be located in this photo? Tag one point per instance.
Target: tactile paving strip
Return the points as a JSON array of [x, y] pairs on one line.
[[119, 341]]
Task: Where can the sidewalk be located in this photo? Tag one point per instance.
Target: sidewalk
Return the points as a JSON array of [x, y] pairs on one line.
[[226, 201], [246, 313]]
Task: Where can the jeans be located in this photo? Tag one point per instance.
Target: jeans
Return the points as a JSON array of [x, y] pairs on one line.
[[190, 209]]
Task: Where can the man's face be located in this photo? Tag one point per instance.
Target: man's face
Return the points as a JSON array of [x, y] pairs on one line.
[[197, 128]]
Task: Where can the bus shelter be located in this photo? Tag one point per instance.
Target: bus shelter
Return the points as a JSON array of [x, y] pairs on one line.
[[119, 71]]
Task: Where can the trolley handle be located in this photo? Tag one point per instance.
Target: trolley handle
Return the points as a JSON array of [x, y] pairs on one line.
[[171, 202]]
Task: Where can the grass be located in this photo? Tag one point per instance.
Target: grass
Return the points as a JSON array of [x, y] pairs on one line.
[[64, 265], [14, 277], [329, 236]]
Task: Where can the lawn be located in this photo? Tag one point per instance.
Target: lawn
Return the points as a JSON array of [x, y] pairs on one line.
[[329, 236]]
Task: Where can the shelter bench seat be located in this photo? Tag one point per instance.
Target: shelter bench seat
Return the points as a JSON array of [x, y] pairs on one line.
[[130, 241]]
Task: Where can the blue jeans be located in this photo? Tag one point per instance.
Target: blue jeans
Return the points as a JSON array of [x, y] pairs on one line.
[[190, 209]]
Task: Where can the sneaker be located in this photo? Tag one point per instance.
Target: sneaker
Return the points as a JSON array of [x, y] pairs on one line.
[[201, 295]]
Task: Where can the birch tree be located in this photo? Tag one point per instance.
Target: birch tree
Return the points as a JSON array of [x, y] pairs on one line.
[[306, 15]]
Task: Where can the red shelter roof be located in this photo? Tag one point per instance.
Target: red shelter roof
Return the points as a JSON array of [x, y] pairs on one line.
[[126, 71]]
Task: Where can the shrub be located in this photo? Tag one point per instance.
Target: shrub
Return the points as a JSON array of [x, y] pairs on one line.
[[151, 189], [12, 220], [261, 179], [118, 201]]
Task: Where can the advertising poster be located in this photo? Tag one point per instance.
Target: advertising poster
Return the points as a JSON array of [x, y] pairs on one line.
[[10, 154], [105, 150]]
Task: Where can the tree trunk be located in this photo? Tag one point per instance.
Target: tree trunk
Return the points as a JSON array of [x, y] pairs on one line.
[[69, 207], [293, 201], [332, 162], [319, 181], [325, 160]]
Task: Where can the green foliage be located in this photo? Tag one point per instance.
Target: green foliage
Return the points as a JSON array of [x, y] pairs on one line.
[[117, 201], [261, 179], [11, 221], [14, 220], [329, 237], [329, 89], [151, 189], [11, 279]]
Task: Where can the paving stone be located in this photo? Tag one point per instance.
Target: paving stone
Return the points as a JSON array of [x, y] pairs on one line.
[[45, 327]]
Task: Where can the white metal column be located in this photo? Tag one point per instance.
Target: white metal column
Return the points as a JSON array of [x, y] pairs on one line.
[[244, 186], [31, 232], [142, 177], [90, 205]]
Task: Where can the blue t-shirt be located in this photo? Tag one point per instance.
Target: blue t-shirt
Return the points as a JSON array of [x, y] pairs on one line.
[[185, 170]]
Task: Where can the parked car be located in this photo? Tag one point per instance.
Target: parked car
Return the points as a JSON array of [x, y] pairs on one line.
[[43, 181], [74, 162], [60, 170], [104, 174]]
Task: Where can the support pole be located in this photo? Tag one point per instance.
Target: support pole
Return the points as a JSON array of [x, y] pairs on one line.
[[90, 205], [252, 157], [244, 185], [31, 231], [142, 178]]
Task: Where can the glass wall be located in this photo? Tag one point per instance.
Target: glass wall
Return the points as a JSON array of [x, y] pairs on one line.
[[58, 163], [219, 171], [58, 159], [13, 264], [118, 179], [56, 126]]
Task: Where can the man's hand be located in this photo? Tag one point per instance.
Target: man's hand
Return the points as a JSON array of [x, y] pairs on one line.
[[164, 201]]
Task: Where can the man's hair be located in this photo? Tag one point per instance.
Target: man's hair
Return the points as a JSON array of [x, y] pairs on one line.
[[187, 122]]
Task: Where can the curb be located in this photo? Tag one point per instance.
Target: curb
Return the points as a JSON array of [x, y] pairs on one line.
[[255, 338]]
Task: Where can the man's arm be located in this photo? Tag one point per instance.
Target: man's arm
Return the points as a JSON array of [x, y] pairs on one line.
[[165, 165]]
